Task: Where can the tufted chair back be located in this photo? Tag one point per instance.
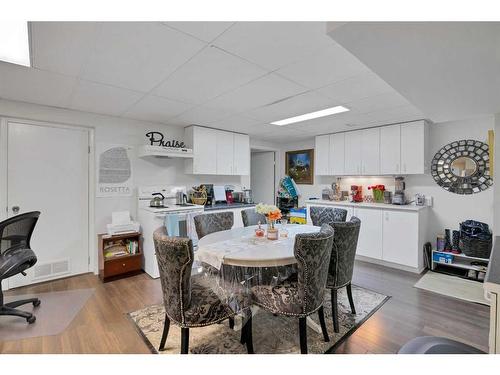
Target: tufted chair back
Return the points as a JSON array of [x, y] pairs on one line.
[[325, 215], [175, 258], [210, 223], [345, 242], [250, 217], [312, 251]]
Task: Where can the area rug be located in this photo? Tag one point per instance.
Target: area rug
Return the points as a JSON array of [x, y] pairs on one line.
[[453, 286], [271, 334], [56, 311]]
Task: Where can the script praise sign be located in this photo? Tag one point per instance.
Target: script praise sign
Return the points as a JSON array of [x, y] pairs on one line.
[[157, 139]]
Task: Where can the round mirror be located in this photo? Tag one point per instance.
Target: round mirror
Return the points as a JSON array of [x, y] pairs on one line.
[[463, 167]]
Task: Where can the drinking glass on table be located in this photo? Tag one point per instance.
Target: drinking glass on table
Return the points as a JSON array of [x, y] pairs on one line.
[[283, 231]]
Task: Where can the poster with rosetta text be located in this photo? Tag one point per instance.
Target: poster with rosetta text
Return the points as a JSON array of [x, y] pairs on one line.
[[114, 170]]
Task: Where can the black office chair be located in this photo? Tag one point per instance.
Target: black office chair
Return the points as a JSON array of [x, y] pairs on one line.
[[16, 256]]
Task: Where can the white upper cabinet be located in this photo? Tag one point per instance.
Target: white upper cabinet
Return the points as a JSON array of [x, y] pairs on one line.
[[322, 155], [370, 151], [225, 149], [217, 152], [414, 147], [241, 154], [337, 154], [390, 149], [353, 153]]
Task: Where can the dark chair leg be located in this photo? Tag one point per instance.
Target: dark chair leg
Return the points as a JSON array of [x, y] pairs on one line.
[[335, 313], [349, 295], [34, 301], [246, 335], [166, 327], [303, 335], [184, 340], [231, 323], [321, 314]]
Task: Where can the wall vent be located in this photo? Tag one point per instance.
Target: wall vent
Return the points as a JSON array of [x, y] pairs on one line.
[[52, 269]]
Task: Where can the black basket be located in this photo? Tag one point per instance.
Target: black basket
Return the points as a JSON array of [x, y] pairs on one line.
[[474, 247]]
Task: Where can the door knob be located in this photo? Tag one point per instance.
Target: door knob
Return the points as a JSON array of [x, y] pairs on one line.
[[15, 209]]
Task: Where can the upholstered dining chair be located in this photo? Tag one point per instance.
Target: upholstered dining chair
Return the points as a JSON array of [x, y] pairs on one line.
[[210, 223], [250, 217], [341, 267], [304, 296], [189, 301], [326, 215]]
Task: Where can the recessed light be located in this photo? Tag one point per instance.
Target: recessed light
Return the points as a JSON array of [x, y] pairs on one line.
[[14, 42], [312, 115]]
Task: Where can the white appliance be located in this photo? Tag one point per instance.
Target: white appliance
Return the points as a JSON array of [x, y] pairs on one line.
[[151, 218], [121, 223]]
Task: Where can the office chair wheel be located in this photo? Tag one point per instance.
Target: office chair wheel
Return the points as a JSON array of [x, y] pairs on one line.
[[31, 319], [36, 303]]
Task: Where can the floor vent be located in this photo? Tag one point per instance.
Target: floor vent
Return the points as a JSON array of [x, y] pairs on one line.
[[57, 268]]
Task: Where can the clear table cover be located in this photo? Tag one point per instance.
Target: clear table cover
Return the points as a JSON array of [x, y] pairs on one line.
[[232, 262]]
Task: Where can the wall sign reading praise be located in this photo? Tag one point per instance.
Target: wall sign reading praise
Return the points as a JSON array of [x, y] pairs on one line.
[[157, 139]]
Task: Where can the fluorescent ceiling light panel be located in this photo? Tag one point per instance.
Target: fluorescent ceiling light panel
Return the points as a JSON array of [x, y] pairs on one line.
[[14, 42], [312, 115]]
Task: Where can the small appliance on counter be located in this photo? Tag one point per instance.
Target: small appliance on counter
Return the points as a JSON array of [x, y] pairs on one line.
[[399, 191], [327, 194], [229, 196], [356, 193], [237, 197], [419, 200], [387, 197], [157, 200], [247, 196], [181, 198]]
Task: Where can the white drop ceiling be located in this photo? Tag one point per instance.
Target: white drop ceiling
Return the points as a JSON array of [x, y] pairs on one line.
[[234, 76]]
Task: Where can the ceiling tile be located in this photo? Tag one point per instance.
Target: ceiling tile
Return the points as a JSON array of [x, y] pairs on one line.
[[238, 123], [297, 105], [138, 55], [333, 63], [273, 45], [259, 92], [206, 31], [355, 88], [62, 47], [201, 116], [156, 109], [378, 102], [34, 86], [99, 98], [207, 75]]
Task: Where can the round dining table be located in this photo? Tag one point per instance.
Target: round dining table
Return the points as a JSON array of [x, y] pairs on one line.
[[240, 247]]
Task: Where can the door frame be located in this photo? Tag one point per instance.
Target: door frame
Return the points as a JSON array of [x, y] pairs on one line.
[[276, 165], [4, 121]]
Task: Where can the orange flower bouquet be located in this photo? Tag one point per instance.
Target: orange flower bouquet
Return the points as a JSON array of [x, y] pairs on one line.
[[272, 214]]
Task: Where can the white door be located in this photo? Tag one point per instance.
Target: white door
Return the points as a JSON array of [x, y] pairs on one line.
[[370, 151], [337, 154], [390, 149], [353, 153], [205, 151], [47, 171], [225, 146], [370, 234], [262, 177], [401, 238], [322, 155], [413, 148], [241, 154]]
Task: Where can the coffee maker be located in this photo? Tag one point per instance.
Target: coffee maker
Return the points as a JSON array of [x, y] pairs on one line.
[[357, 193], [399, 191]]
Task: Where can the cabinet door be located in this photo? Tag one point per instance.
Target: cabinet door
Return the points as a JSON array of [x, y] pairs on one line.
[[390, 149], [225, 147], [337, 154], [353, 153], [370, 233], [241, 154], [413, 148], [205, 151], [322, 155], [370, 151], [400, 238]]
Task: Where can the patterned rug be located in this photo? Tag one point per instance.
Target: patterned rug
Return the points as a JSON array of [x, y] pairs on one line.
[[271, 334]]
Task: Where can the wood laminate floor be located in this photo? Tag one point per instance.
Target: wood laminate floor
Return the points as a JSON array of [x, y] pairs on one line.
[[103, 327]]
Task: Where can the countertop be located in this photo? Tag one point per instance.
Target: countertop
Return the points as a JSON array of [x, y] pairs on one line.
[[228, 206], [383, 206], [493, 274]]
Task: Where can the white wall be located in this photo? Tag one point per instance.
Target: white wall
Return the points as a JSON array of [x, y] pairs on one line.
[[121, 131], [496, 189], [449, 209]]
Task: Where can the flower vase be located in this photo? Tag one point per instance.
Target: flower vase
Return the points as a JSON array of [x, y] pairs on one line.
[[272, 231]]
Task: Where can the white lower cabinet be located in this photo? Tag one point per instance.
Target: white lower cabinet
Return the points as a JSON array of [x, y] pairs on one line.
[[401, 242], [370, 233]]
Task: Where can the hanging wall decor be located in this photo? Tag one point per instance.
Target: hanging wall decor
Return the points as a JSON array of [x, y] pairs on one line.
[[462, 167]]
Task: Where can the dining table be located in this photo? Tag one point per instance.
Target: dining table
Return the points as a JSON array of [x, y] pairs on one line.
[[237, 259]]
